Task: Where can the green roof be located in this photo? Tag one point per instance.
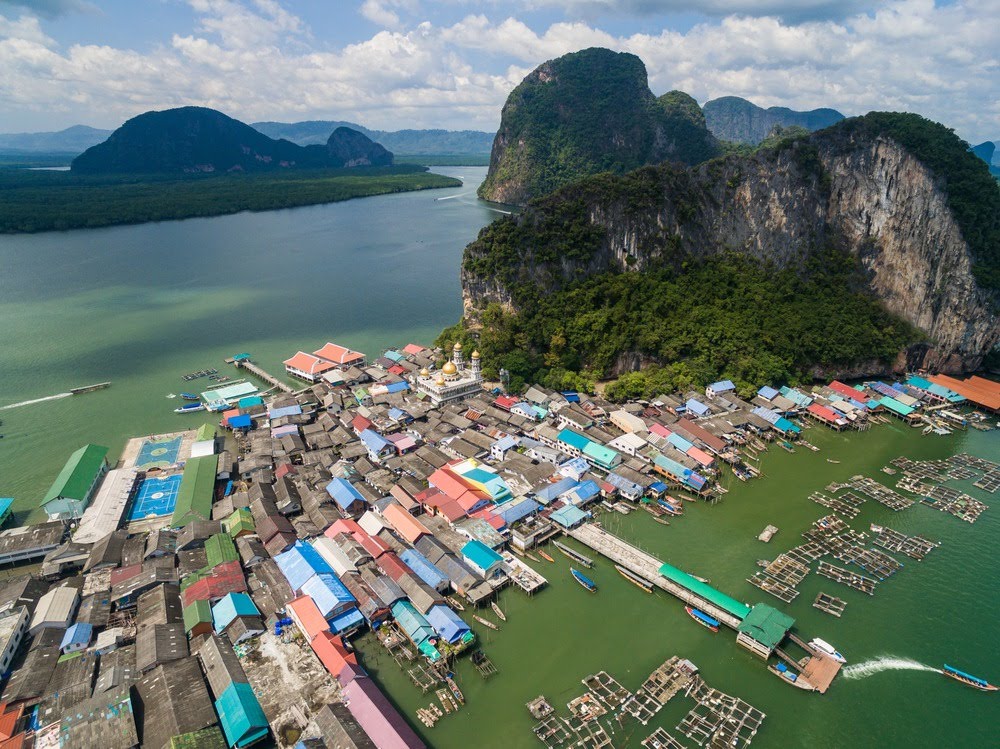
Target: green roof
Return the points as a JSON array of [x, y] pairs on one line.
[[241, 520], [206, 738], [78, 475], [604, 455], [197, 612], [766, 625], [220, 548], [194, 497], [706, 591], [205, 432]]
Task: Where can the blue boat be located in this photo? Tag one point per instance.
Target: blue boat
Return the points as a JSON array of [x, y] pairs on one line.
[[702, 618], [189, 396], [585, 581], [968, 679]]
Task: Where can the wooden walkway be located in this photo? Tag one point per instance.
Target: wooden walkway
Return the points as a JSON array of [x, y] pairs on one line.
[[270, 379], [645, 565]]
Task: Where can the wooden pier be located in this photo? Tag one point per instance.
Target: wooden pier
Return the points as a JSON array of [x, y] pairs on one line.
[[646, 566], [523, 576], [270, 379]]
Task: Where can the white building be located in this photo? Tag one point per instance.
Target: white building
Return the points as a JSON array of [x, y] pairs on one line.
[[628, 423], [54, 610], [13, 626], [454, 381]]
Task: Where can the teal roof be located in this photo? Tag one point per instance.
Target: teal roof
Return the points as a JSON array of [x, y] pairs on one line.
[[706, 591], [604, 456], [243, 720], [78, 475], [569, 516], [5, 505], [766, 625], [573, 439], [230, 607], [895, 406], [480, 554], [413, 623]]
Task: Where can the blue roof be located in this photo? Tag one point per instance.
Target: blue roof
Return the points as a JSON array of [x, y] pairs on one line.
[[300, 563], [768, 393], [329, 594], [230, 607], [397, 387], [722, 386], [243, 720], [515, 511], [277, 413], [767, 414], [658, 486], [622, 483], [243, 421], [576, 465], [506, 443], [343, 493], [250, 401], [447, 623], [679, 472], [413, 623], [550, 492], [374, 441], [569, 516], [696, 406], [787, 426], [480, 554], [571, 396], [585, 492], [423, 568], [679, 442], [77, 634], [348, 620], [573, 439], [397, 414]]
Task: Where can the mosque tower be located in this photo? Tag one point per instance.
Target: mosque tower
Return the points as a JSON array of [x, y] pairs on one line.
[[476, 371], [456, 357]]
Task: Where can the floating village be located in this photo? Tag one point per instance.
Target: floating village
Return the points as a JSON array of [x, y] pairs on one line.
[[209, 587]]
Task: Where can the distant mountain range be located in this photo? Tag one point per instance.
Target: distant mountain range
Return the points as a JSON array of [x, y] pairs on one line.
[[740, 121], [75, 139], [197, 139], [417, 142]]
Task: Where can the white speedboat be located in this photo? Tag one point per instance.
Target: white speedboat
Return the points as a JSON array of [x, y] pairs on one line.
[[826, 648]]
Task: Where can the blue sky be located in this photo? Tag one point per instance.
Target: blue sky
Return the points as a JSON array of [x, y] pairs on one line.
[[451, 63]]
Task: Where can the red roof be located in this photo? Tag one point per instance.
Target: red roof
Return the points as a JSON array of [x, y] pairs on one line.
[[14, 742], [307, 616], [494, 520], [284, 469], [701, 456], [224, 578], [393, 566], [413, 348], [825, 413], [359, 423], [660, 430], [122, 574], [849, 392], [505, 402], [699, 432], [397, 370], [230, 414], [338, 354], [308, 363], [374, 546], [348, 526], [450, 484]]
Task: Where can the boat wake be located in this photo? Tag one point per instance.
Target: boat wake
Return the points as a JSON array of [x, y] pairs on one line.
[[452, 197], [36, 400], [884, 663]]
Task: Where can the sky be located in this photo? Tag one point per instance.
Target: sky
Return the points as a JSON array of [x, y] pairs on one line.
[[393, 64]]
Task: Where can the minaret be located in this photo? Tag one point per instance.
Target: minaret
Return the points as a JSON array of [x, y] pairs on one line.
[[475, 366], [457, 357]]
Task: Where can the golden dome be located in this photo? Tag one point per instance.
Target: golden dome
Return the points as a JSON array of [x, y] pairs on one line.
[[475, 354], [458, 347], [449, 368], [440, 381], [425, 372]]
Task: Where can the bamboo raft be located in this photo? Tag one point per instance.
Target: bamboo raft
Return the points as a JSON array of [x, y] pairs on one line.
[[660, 739], [447, 701], [574, 555], [830, 604], [848, 578], [915, 547], [881, 494], [776, 588]]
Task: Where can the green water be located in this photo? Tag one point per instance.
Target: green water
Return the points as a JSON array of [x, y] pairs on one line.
[[142, 305], [942, 609]]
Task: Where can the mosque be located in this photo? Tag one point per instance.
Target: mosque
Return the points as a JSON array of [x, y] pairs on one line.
[[453, 382]]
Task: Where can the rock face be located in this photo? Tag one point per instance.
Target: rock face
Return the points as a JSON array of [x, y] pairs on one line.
[[588, 112], [196, 139], [867, 195], [348, 148], [740, 121]]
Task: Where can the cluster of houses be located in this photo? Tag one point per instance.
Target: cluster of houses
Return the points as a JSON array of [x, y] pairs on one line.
[[384, 495]]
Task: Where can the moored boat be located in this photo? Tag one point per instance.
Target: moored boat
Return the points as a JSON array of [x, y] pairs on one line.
[[188, 396], [485, 622], [826, 648], [968, 679], [585, 581], [633, 578], [546, 556], [876, 528], [455, 603], [702, 618], [670, 507], [189, 408], [787, 675], [531, 556], [459, 697], [496, 610], [574, 555]]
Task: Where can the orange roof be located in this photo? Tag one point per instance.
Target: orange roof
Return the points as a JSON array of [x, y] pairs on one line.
[[449, 483], [305, 613], [976, 389], [308, 363], [14, 742], [330, 650], [403, 497], [9, 719], [338, 354], [405, 524]]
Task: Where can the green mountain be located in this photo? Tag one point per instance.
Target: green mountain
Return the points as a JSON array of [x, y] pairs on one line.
[[584, 113], [75, 139], [414, 142], [197, 139], [870, 247], [737, 120], [985, 151]]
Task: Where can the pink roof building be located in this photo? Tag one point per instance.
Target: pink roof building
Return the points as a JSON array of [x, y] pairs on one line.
[[307, 367]]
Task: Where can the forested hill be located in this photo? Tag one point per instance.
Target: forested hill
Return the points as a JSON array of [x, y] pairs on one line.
[[584, 113], [868, 246], [197, 139]]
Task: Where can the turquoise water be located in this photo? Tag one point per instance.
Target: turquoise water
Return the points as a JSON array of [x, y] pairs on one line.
[[143, 305]]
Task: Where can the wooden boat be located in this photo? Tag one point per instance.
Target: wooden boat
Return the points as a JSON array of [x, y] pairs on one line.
[[188, 396], [455, 603], [546, 556], [876, 528], [497, 611], [574, 555], [633, 578], [788, 676], [763, 563], [485, 622], [90, 388], [831, 460], [454, 689], [701, 579], [661, 520], [787, 446], [702, 618], [970, 681], [670, 507], [585, 581], [531, 556]]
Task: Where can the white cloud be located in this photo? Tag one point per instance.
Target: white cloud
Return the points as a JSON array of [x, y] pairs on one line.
[[790, 10], [255, 60]]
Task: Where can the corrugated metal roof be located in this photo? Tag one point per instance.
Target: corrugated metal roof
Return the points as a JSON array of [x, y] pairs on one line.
[[766, 624], [243, 721], [373, 711], [78, 475], [710, 594], [196, 492], [300, 563], [329, 594]]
